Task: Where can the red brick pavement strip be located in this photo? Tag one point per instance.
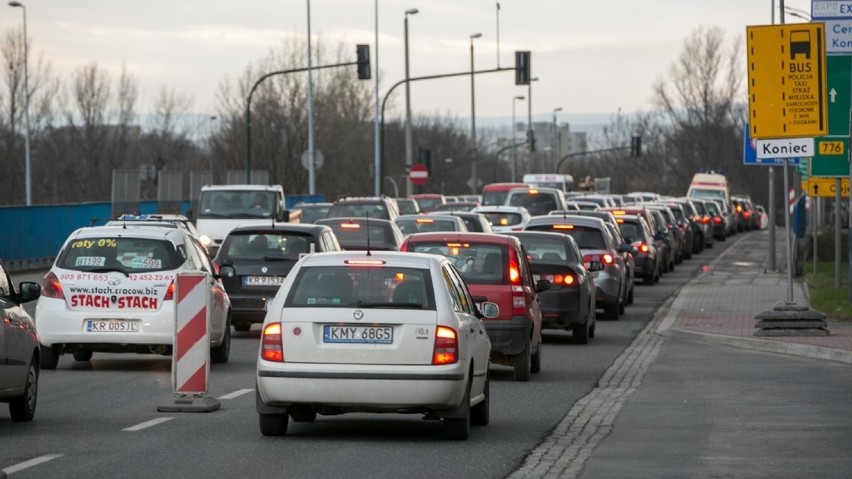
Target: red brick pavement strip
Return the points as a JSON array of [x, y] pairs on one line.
[[719, 307]]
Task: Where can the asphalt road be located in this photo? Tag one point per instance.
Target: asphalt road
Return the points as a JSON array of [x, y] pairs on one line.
[[100, 419]]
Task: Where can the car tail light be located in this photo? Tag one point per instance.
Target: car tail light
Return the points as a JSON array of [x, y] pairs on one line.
[[271, 348], [404, 247], [51, 287], [746, 215], [446, 346], [170, 292], [593, 262], [561, 280], [717, 220], [519, 303], [608, 258], [643, 248], [705, 219]]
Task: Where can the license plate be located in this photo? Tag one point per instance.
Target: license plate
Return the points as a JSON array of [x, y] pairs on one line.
[[112, 326], [263, 280], [357, 334]]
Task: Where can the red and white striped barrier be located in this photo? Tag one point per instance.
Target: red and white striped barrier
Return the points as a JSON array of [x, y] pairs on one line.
[[191, 350]]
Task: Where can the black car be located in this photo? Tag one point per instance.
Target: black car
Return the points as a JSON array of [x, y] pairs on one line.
[[570, 301], [637, 233], [311, 212], [19, 348], [254, 260]]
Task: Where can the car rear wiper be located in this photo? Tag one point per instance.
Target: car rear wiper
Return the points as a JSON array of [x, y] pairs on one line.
[[384, 304]]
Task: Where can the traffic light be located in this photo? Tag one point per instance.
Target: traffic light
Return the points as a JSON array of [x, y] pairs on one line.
[[636, 146], [363, 52], [522, 68], [424, 156]]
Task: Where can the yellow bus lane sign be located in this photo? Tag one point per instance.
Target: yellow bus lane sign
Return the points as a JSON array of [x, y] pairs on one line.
[[825, 187], [786, 80]]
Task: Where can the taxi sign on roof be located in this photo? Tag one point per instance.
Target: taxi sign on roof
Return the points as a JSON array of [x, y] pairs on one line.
[[786, 80]]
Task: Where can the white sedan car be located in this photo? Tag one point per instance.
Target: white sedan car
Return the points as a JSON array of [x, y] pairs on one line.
[[111, 289], [385, 332]]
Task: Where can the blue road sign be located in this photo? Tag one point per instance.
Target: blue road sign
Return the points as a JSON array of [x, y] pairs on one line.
[[750, 153]]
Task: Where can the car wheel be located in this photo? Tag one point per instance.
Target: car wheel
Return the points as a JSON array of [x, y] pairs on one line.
[[480, 414], [49, 357], [242, 327], [687, 254], [594, 322], [535, 361], [22, 408], [459, 427], [611, 311], [303, 414], [622, 305], [273, 424], [83, 355], [650, 278], [219, 354], [630, 293], [521, 364], [580, 333]]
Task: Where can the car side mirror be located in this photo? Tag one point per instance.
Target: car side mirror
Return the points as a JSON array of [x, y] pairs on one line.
[[542, 285], [28, 291], [489, 310]]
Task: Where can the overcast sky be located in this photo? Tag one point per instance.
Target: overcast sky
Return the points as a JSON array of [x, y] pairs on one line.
[[590, 55]]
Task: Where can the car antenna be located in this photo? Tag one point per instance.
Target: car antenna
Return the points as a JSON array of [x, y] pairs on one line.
[[368, 235]]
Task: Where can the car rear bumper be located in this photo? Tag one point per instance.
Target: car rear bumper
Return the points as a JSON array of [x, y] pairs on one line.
[[560, 308], [608, 289], [379, 388], [509, 337], [250, 309]]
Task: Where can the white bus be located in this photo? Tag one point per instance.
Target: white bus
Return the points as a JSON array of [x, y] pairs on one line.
[[565, 183]]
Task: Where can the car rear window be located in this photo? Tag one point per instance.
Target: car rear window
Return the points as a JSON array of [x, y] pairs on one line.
[[548, 249], [630, 229], [537, 204], [131, 255], [586, 238], [359, 210], [478, 263], [699, 207], [503, 219], [313, 213], [424, 225], [267, 245], [429, 204], [495, 198], [354, 235], [362, 287]]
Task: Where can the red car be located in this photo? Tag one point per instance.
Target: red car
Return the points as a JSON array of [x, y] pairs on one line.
[[496, 269]]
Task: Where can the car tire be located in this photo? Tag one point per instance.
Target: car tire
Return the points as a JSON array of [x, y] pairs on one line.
[[630, 297], [622, 305], [580, 333], [610, 311], [480, 414], [594, 322], [49, 357], [650, 278], [220, 354], [242, 327], [535, 360], [458, 428], [22, 408], [273, 424], [521, 364], [83, 355]]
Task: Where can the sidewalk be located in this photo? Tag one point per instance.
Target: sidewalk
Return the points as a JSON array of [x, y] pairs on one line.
[[720, 304]]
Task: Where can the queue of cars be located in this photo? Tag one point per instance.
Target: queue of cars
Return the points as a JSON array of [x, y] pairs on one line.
[[405, 313]]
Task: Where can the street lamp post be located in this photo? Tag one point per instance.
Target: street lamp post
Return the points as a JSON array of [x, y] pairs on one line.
[[556, 145], [473, 179], [27, 168], [514, 141], [409, 155]]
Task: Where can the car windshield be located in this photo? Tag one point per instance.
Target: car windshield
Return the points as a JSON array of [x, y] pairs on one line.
[[494, 198], [237, 204], [362, 287], [129, 255], [407, 207], [631, 231], [478, 263], [268, 245]]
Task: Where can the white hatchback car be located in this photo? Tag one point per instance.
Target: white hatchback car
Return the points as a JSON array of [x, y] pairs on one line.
[[386, 332], [111, 289], [505, 218]]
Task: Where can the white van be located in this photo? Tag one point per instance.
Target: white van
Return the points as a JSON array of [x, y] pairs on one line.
[[709, 186]]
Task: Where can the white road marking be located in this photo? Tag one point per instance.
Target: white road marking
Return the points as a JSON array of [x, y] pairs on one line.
[[32, 462], [147, 424], [237, 393]]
